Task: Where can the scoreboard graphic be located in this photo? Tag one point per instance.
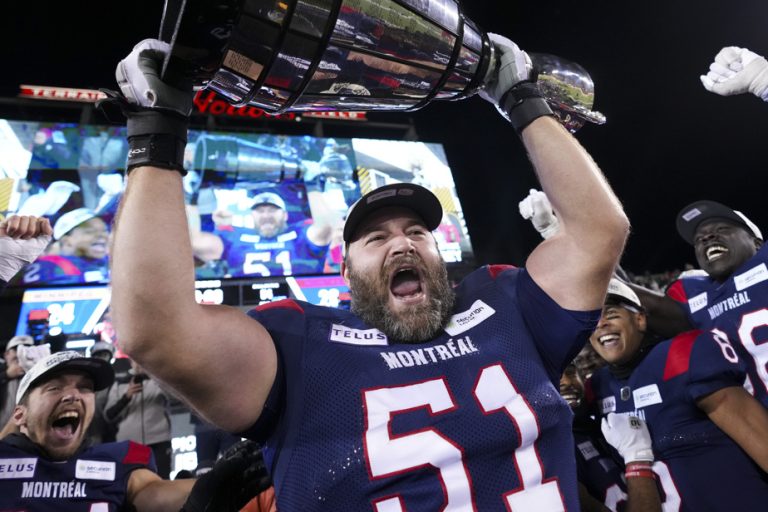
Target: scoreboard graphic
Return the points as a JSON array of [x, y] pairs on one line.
[[69, 310]]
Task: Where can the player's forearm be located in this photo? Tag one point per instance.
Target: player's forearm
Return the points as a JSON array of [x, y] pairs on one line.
[[152, 271], [585, 204], [163, 496], [643, 495], [665, 317], [588, 502]]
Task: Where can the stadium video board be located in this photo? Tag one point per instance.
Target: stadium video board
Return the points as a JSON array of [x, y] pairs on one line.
[[259, 205]]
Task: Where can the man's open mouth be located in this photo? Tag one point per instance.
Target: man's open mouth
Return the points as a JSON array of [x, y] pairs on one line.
[[609, 340], [405, 283], [715, 252], [571, 396], [66, 423]]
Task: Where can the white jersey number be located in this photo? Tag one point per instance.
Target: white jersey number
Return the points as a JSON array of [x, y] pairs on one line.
[[495, 392], [757, 349], [254, 263]]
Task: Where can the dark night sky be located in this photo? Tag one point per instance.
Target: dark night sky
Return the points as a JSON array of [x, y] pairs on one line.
[[667, 141]]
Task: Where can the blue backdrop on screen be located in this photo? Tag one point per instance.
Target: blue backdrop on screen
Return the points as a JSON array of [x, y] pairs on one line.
[[260, 205]]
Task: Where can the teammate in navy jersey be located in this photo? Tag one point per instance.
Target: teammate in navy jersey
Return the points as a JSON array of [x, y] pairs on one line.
[[274, 247], [22, 239], [708, 433], [732, 297], [603, 485], [48, 467], [82, 239], [421, 397]]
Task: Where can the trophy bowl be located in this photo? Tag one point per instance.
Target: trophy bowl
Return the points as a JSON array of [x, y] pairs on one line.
[[362, 55]]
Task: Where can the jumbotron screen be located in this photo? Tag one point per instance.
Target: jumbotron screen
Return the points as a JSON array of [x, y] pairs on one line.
[[259, 205]]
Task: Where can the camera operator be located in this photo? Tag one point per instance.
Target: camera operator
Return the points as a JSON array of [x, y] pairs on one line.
[[137, 406]]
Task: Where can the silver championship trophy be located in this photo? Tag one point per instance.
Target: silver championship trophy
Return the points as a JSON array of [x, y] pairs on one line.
[[390, 55]]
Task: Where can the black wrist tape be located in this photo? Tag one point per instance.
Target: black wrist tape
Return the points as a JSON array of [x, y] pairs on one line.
[[156, 138], [524, 103]]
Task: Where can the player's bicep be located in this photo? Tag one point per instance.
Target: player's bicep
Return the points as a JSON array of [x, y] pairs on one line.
[[575, 277], [227, 366]]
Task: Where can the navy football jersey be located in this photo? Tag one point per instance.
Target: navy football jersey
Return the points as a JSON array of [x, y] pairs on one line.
[[93, 480], [57, 269], [597, 469], [469, 421], [289, 253], [739, 309], [699, 466]]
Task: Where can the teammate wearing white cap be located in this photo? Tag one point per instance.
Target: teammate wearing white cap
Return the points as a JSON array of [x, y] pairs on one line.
[[48, 466], [688, 389]]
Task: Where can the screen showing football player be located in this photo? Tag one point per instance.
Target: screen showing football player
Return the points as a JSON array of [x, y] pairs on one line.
[[275, 245], [689, 391], [55, 469], [80, 254], [422, 397]]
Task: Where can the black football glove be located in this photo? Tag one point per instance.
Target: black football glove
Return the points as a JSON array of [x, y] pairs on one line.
[[236, 478], [157, 112]]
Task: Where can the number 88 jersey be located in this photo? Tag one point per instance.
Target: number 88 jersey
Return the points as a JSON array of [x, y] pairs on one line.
[[469, 421], [738, 308]]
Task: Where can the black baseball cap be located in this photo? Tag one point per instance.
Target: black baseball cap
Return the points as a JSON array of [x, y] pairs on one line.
[[690, 217], [408, 195]]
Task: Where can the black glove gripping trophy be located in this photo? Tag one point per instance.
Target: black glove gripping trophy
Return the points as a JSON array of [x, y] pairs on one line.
[[390, 55]]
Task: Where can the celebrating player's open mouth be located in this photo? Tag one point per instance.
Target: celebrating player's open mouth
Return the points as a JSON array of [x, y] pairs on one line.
[[65, 424], [405, 284]]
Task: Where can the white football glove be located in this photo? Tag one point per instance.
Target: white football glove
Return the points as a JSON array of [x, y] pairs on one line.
[[536, 206], [30, 354], [736, 71], [515, 66], [138, 76], [629, 435], [22, 240]]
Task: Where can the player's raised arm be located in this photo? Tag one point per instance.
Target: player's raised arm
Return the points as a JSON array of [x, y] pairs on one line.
[[198, 351], [574, 265]]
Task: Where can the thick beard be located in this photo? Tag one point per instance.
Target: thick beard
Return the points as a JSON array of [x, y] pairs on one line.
[[370, 299]]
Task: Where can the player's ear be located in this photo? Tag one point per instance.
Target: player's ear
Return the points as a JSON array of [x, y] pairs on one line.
[[19, 416], [642, 321], [345, 267]]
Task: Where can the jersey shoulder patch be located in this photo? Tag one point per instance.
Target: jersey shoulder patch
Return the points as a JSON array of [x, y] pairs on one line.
[[679, 354]]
